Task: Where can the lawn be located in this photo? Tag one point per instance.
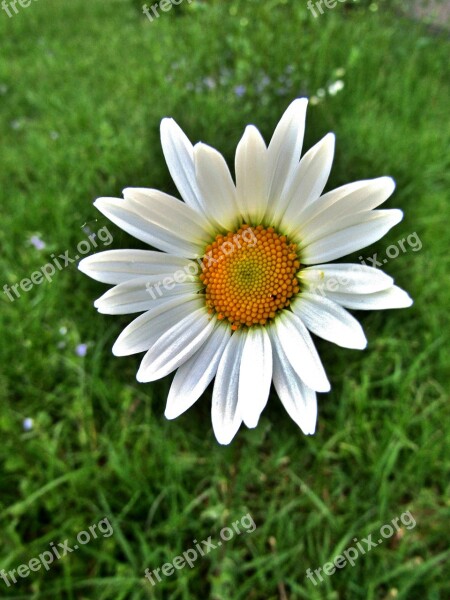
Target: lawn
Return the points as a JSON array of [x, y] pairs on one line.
[[83, 87]]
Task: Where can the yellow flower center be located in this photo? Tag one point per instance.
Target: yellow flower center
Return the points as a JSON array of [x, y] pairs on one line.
[[249, 275]]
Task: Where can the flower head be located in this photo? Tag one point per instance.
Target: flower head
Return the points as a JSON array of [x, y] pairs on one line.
[[241, 275]]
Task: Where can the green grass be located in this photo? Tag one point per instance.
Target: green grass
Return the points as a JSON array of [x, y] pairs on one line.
[[83, 88]]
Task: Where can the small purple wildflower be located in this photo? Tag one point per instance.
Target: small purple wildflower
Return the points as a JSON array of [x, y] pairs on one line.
[[37, 242], [81, 350], [27, 424]]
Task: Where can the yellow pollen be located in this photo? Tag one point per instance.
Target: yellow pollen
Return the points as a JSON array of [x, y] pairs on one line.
[[249, 275]]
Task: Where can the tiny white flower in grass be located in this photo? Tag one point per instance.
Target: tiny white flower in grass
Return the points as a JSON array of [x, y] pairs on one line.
[[81, 350], [240, 278], [335, 87], [27, 424]]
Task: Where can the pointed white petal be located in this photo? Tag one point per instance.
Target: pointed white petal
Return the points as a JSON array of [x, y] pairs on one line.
[[255, 375], [329, 321], [299, 400], [117, 266], [284, 151], [179, 154], [176, 346], [299, 348], [349, 278], [351, 198], [226, 419], [140, 294], [142, 333], [393, 297], [216, 186], [308, 182], [194, 376], [373, 226], [251, 175], [148, 227]]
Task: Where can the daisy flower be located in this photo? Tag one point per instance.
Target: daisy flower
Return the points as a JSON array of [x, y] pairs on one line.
[[241, 274]]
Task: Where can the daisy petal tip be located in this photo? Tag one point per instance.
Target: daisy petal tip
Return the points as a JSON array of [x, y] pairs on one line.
[[251, 423], [359, 341], [362, 345], [170, 414], [166, 123], [299, 104], [103, 204], [388, 184], [128, 191], [397, 215], [405, 300], [118, 348], [223, 440], [202, 149], [140, 376], [102, 310], [251, 131], [83, 266], [330, 139], [224, 435], [324, 388]]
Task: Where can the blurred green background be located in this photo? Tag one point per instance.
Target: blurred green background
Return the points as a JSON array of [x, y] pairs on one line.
[[83, 87]]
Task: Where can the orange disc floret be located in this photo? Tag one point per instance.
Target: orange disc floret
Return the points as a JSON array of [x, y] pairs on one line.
[[249, 275]]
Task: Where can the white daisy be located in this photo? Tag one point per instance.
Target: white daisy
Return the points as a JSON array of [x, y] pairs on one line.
[[239, 280]]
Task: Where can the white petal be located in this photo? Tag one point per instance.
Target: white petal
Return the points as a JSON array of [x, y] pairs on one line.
[[373, 226], [194, 376], [117, 266], [284, 151], [349, 278], [176, 345], [255, 375], [163, 209], [142, 333], [251, 175], [179, 154], [226, 419], [216, 186], [329, 321], [350, 198], [137, 222], [140, 294], [299, 348], [299, 400], [308, 182], [321, 227], [393, 297]]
